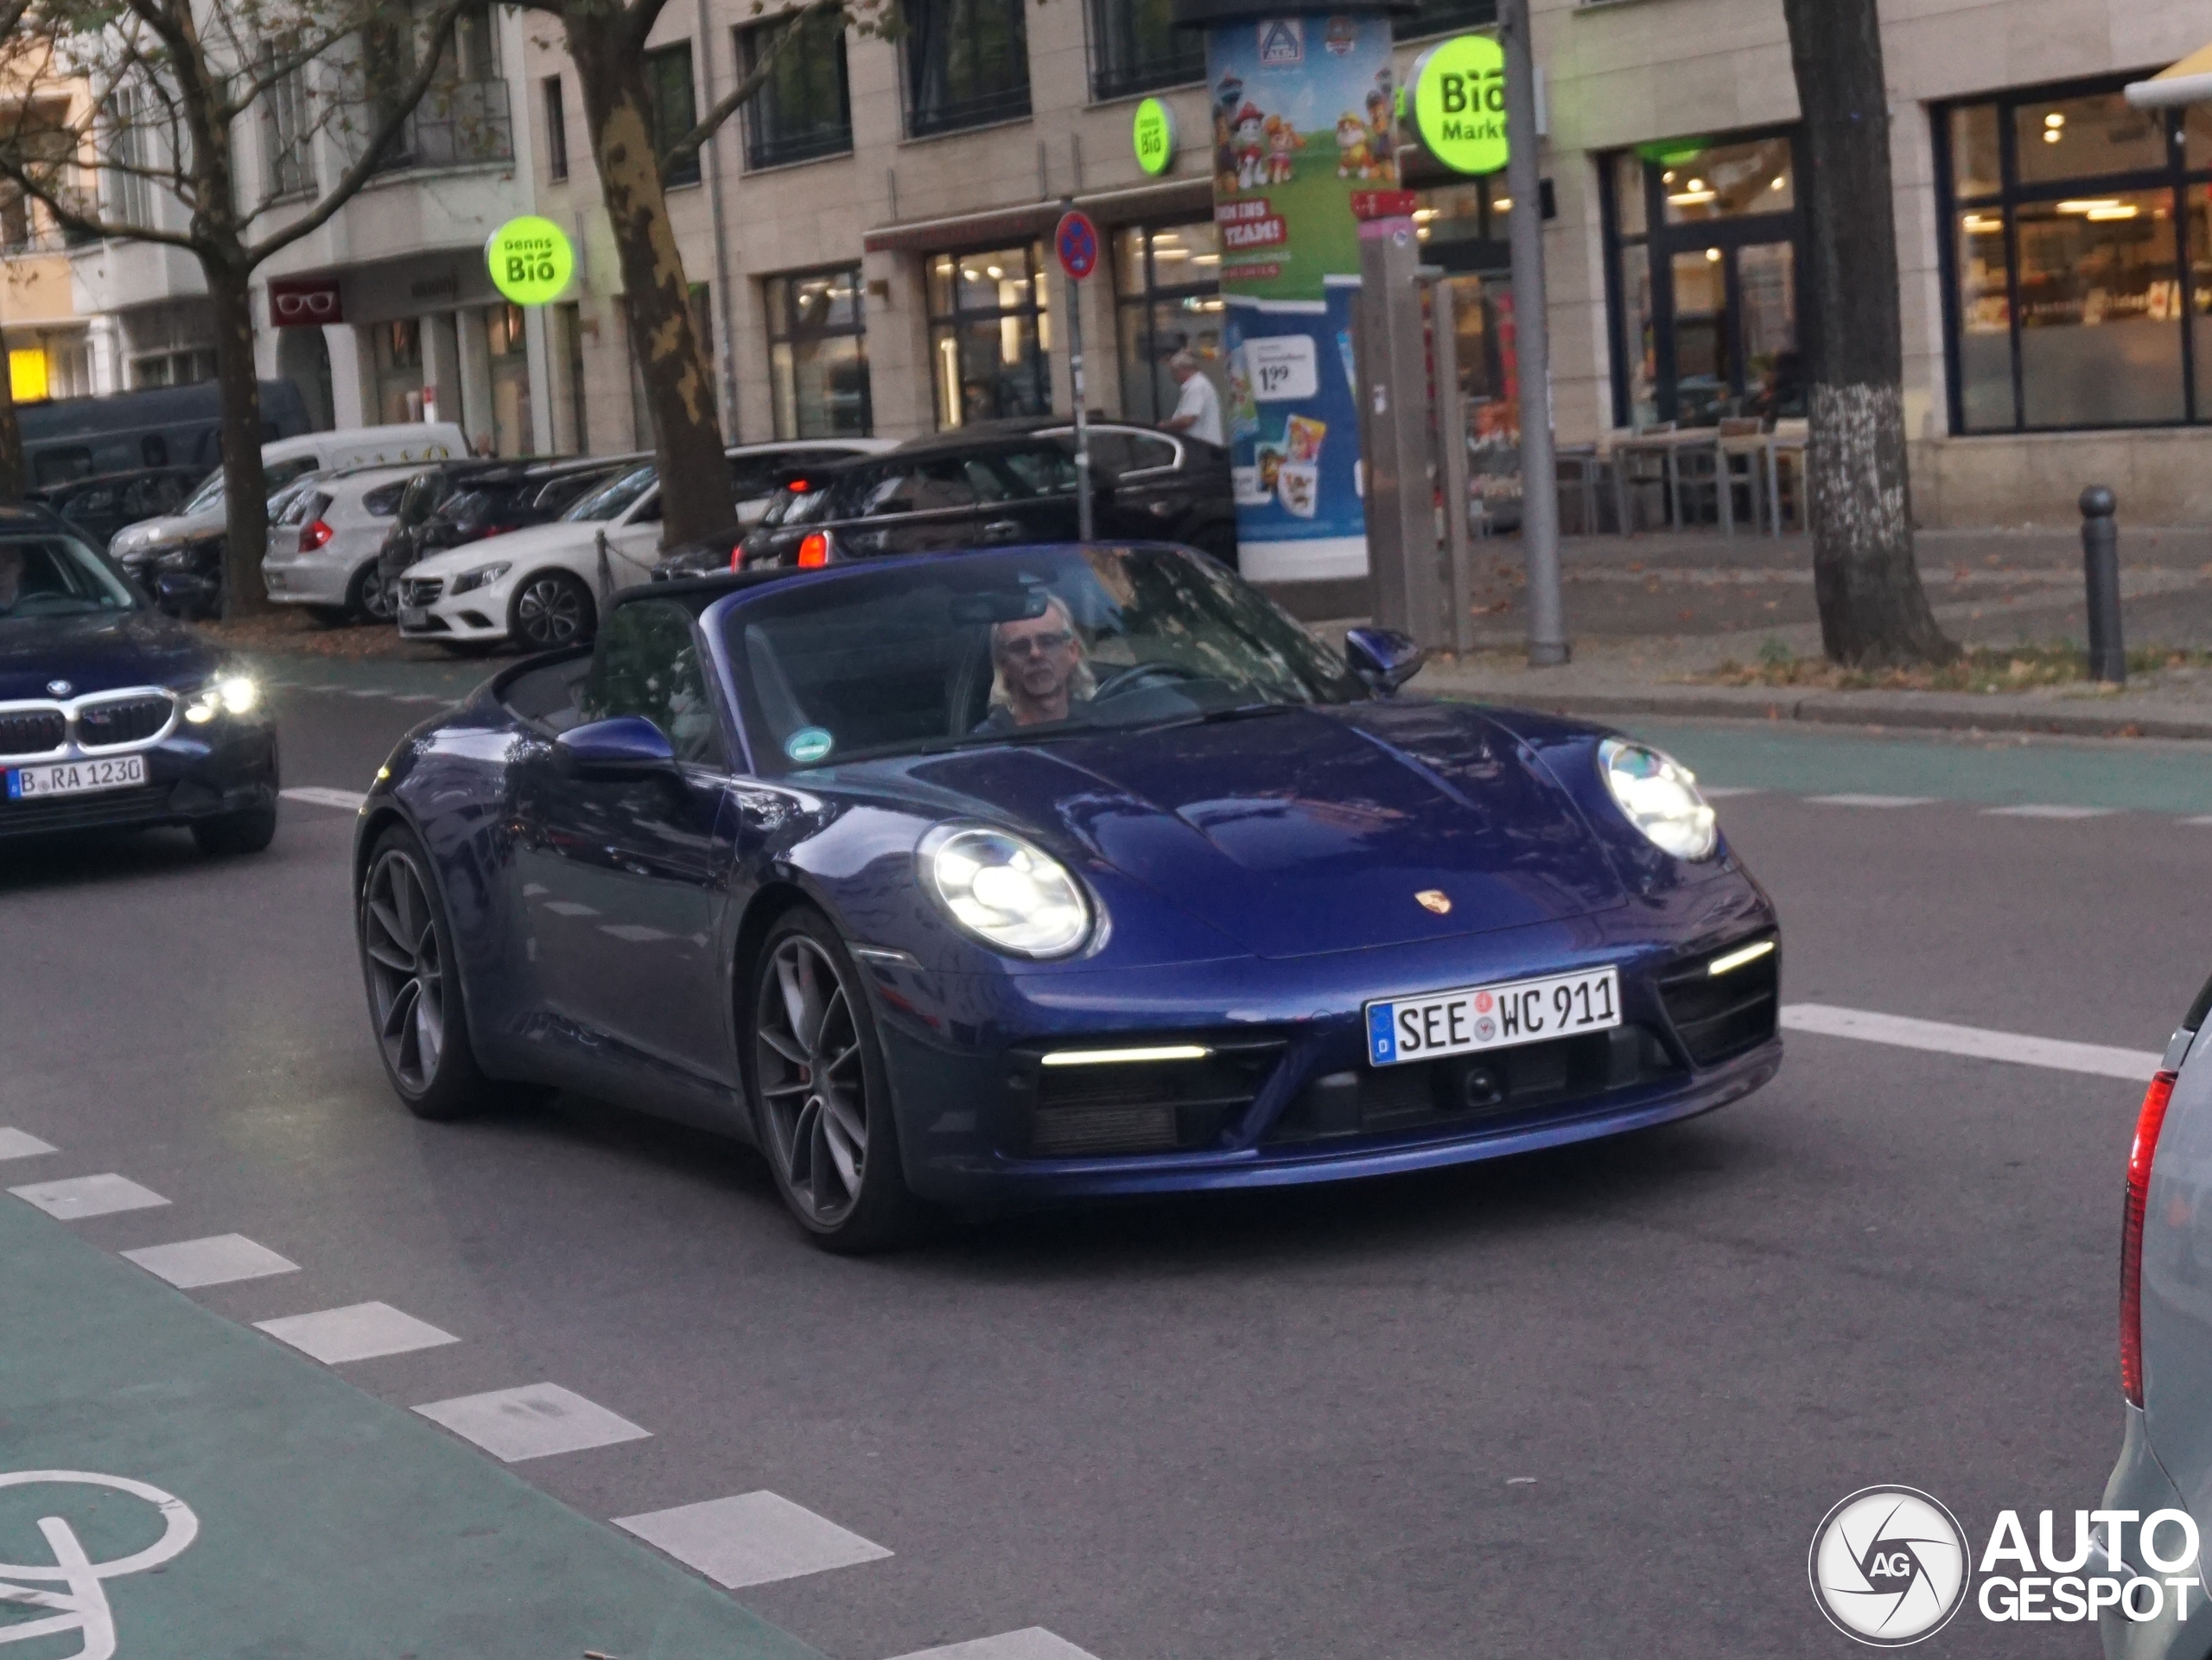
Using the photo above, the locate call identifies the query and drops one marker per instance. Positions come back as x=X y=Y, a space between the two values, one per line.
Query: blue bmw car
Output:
x=1048 y=872
x=112 y=716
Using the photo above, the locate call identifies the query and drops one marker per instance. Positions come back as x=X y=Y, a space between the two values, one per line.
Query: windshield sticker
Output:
x=807 y=745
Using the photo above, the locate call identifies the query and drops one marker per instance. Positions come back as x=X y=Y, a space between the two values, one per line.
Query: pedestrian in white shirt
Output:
x=1198 y=411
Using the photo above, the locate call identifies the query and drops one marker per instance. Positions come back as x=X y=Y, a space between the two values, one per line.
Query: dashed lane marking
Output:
x=2040 y=810
x=1871 y=800
x=1035 y=1644
x=314 y=795
x=219 y=1260
x=1977 y=1043
x=751 y=1539
x=365 y=1331
x=1714 y=792
x=83 y=1196
x=531 y=1422
x=22 y=1144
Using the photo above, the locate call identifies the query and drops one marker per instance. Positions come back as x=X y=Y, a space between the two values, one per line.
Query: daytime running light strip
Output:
x=1114 y=1057
x=1751 y=953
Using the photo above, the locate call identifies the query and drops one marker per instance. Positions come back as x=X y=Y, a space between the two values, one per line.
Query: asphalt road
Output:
x=1592 y=1402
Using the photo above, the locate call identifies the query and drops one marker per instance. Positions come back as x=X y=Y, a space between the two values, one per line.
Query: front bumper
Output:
x=479 y=614
x=1287 y=1095
x=228 y=768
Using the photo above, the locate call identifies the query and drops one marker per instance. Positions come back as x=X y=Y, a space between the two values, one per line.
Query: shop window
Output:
x=818 y=354
x=1135 y=48
x=1705 y=245
x=510 y=388
x=967 y=65
x=396 y=347
x=2078 y=272
x=670 y=91
x=1167 y=292
x=804 y=108
x=990 y=337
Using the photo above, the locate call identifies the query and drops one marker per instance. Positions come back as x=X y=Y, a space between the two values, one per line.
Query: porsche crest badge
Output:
x=1434 y=898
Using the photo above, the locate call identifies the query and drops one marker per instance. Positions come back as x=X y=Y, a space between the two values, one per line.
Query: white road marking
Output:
x=531 y=1422
x=752 y=1539
x=1871 y=800
x=2205 y=819
x=82 y=1196
x=22 y=1144
x=2044 y=811
x=1036 y=1644
x=1711 y=792
x=1977 y=1043
x=364 y=1330
x=219 y=1260
x=315 y=796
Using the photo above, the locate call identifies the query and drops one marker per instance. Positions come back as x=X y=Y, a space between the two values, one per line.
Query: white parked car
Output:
x=324 y=533
x=541 y=587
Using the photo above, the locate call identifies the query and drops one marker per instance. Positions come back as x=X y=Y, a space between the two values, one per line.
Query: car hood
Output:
x=99 y=652
x=1312 y=830
x=170 y=527
x=531 y=542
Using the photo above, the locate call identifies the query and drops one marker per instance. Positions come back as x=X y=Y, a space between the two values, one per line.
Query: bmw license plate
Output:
x=75 y=778
x=1400 y=1029
x=414 y=616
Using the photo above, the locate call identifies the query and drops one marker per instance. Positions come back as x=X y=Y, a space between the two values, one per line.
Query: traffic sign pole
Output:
x=1076 y=242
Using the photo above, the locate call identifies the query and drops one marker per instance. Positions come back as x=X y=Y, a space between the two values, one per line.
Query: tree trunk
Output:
x=245 y=494
x=13 y=480
x=1858 y=500
x=694 y=489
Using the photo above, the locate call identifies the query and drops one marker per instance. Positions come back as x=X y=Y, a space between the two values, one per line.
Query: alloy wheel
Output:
x=377 y=599
x=550 y=612
x=813 y=1086
x=406 y=972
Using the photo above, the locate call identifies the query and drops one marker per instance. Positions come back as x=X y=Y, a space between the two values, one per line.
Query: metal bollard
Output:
x=2101 y=573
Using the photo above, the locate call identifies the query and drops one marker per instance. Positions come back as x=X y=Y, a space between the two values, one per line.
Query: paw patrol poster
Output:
x=1303 y=116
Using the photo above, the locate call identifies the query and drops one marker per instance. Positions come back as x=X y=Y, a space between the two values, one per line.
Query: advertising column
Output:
x=1303 y=113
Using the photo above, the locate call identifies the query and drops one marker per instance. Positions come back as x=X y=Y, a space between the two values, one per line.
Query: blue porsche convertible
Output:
x=1044 y=872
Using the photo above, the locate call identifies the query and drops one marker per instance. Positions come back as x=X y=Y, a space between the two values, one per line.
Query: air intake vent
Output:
x=1141 y=1105
x=129 y=720
x=1717 y=1015
x=32 y=731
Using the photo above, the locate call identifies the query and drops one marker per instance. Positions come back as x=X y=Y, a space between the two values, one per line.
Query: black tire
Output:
x=549 y=609
x=237 y=833
x=407 y=957
x=370 y=595
x=834 y=1151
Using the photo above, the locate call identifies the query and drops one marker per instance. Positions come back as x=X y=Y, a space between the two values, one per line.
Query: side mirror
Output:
x=628 y=744
x=1384 y=657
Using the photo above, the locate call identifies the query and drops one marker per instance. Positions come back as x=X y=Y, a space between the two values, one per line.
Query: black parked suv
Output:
x=998 y=483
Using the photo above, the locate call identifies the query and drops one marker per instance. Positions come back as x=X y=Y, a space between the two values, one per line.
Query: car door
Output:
x=634 y=545
x=623 y=879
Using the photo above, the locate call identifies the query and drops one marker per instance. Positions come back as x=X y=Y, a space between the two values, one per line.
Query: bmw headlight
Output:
x=1659 y=796
x=483 y=576
x=234 y=694
x=1005 y=892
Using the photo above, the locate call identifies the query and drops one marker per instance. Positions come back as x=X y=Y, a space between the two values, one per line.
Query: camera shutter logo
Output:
x=1889 y=1566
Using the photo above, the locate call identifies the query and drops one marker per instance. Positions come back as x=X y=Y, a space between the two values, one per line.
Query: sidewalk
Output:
x=1650 y=614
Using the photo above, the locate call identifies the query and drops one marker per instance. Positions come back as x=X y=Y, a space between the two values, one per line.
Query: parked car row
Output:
x=398 y=524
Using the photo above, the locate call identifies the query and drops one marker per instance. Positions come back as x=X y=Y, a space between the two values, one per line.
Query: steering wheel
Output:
x=1140 y=675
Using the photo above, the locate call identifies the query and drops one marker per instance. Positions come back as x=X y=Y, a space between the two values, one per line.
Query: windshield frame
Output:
x=205 y=498
x=1298 y=654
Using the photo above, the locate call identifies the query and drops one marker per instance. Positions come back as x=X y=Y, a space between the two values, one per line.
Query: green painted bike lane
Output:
x=1806 y=760
x=329 y=1524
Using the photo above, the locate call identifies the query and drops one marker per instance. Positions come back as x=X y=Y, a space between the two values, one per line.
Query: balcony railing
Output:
x=458 y=123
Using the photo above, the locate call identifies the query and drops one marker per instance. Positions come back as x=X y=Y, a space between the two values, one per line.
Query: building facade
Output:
x=867 y=237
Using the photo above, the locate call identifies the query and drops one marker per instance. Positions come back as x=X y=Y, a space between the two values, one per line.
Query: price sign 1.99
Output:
x=1281 y=368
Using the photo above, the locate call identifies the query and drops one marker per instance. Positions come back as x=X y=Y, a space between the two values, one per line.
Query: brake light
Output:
x=2148 y=1122
x=313 y=536
x=737 y=558
x=798 y=487
x=814 y=552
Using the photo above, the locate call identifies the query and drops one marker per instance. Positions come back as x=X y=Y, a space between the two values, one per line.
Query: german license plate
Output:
x=414 y=616
x=75 y=776
x=1401 y=1029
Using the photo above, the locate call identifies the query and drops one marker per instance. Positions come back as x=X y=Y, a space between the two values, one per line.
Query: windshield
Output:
x=610 y=501
x=208 y=497
x=51 y=576
x=996 y=647
x=796 y=507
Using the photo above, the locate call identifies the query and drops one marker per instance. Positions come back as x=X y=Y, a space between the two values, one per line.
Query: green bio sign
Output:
x=1459 y=103
x=531 y=260
x=1153 y=135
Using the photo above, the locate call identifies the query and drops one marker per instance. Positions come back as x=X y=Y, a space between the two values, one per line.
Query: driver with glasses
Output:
x=1040 y=671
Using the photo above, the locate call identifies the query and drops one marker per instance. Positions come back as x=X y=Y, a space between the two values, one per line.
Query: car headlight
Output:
x=483 y=576
x=234 y=694
x=1005 y=892
x=1659 y=796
